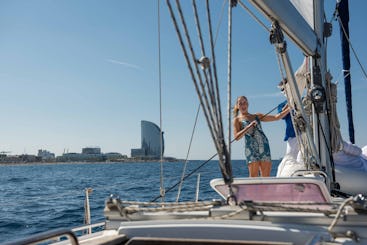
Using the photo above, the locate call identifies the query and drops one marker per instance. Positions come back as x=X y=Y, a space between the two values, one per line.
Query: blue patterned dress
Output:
x=256 y=143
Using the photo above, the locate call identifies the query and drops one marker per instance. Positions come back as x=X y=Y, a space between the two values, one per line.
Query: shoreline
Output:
x=108 y=162
x=92 y=162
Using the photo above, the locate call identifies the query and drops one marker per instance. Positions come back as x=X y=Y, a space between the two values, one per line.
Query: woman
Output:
x=257 y=148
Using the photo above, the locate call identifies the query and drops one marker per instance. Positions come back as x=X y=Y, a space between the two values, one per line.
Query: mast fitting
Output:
x=328 y=29
x=277 y=38
x=204 y=62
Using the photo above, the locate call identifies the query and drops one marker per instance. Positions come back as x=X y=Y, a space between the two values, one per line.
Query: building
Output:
x=114 y=156
x=80 y=157
x=91 y=150
x=89 y=154
x=152 y=142
x=137 y=152
x=46 y=155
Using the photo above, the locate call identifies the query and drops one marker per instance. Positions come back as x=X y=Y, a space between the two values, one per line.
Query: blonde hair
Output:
x=235 y=107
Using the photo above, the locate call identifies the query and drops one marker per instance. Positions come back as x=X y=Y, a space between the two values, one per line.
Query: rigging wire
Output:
x=220 y=21
x=224 y=152
x=343 y=18
x=205 y=101
x=253 y=16
x=216 y=91
x=336 y=17
x=268 y=30
x=216 y=36
x=327 y=146
x=185 y=164
x=283 y=76
x=203 y=53
x=216 y=132
x=208 y=80
x=162 y=191
x=351 y=46
x=282 y=72
x=187 y=156
x=188 y=175
x=204 y=163
x=281 y=69
x=197 y=113
x=303 y=147
x=213 y=110
x=225 y=164
x=229 y=82
x=261 y=23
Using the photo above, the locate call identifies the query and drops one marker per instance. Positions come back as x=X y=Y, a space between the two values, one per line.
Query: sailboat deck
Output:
x=282 y=190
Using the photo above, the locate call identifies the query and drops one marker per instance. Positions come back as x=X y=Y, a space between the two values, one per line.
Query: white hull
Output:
x=305 y=213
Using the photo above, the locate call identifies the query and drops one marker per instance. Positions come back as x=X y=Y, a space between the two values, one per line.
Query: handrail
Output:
x=85 y=227
x=48 y=235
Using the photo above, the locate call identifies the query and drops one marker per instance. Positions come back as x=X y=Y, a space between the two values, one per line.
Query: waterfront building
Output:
x=114 y=156
x=137 y=152
x=46 y=155
x=151 y=138
x=91 y=150
x=91 y=154
x=80 y=157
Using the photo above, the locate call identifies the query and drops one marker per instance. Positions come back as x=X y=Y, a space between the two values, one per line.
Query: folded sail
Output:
x=305 y=8
x=295 y=18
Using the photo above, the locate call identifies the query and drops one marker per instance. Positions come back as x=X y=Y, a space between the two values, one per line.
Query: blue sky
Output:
x=85 y=73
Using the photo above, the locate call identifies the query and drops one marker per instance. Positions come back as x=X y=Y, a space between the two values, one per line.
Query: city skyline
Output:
x=77 y=73
x=150 y=147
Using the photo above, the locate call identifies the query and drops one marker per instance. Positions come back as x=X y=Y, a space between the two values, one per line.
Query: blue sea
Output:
x=39 y=197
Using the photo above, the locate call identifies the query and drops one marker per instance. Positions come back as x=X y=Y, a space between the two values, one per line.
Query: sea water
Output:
x=39 y=197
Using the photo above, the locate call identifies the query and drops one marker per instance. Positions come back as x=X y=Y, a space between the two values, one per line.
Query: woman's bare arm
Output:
x=270 y=118
x=237 y=131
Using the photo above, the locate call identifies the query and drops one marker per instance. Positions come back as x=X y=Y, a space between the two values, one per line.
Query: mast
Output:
x=343 y=10
x=307 y=32
x=318 y=94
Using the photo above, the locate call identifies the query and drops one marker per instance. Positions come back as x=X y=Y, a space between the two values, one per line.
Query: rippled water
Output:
x=40 y=197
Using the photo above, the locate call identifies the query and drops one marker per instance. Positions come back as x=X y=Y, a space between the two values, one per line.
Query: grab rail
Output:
x=89 y=227
x=48 y=235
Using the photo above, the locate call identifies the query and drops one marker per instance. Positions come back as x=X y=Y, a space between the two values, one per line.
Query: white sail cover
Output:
x=305 y=8
x=296 y=19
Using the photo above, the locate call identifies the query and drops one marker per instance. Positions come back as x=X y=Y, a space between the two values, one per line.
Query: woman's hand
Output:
x=239 y=133
x=252 y=124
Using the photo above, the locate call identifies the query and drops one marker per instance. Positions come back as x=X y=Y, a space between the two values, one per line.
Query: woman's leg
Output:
x=253 y=169
x=265 y=168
